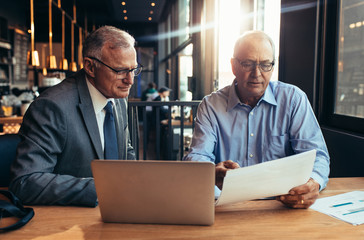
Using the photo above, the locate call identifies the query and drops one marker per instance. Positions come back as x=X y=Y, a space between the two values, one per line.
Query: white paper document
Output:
x=267 y=179
x=348 y=207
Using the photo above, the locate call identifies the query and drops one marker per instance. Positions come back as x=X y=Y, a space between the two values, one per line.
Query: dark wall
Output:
x=299 y=58
x=15 y=12
x=346 y=151
x=297 y=45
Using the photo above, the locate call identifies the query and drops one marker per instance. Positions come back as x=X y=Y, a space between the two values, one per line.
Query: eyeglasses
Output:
x=248 y=66
x=123 y=72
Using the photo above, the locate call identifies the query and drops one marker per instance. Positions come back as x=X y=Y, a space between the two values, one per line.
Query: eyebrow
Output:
x=263 y=61
x=122 y=69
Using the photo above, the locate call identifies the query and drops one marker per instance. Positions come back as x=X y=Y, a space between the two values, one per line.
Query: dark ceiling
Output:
x=137 y=10
x=100 y=12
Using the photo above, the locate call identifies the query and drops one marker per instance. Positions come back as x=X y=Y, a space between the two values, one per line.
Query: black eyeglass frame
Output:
x=123 y=71
x=254 y=65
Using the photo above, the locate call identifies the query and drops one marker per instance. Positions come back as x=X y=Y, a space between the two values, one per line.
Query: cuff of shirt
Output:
x=217 y=192
x=320 y=180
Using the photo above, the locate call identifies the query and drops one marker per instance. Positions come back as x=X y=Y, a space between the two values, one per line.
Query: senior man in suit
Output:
x=63 y=130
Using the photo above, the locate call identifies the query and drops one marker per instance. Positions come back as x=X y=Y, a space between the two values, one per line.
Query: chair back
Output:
x=169 y=134
x=8 y=145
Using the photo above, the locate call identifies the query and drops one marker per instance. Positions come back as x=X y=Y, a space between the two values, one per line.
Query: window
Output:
x=343 y=66
x=185 y=63
x=239 y=16
x=175 y=57
x=349 y=95
x=183 y=21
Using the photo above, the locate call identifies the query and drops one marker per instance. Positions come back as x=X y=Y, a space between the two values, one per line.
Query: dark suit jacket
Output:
x=59 y=139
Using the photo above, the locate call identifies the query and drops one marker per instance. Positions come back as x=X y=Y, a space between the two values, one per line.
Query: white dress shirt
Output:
x=99 y=102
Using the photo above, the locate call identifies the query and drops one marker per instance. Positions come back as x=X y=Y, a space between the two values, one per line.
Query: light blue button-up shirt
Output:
x=281 y=124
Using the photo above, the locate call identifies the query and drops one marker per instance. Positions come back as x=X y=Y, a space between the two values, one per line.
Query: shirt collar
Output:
x=233 y=99
x=268 y=96
x=98 y=100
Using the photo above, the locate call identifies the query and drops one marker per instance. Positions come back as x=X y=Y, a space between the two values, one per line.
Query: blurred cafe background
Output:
x=186 y=46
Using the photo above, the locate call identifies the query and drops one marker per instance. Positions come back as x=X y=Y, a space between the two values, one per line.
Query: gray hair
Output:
x=106 y=34
x=256 y=34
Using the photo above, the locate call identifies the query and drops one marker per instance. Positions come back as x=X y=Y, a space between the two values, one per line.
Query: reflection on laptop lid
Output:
x=160 y=192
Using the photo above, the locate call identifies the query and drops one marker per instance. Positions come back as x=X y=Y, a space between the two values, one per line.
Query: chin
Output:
x=122 y=95
x=256 y=90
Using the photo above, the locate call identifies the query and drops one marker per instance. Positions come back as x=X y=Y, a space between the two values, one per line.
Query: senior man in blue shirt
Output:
x=255 y=120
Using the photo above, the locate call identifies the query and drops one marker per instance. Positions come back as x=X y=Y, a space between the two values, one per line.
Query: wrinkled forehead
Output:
x=112 y=51
x=110 y=47
x=254 y=47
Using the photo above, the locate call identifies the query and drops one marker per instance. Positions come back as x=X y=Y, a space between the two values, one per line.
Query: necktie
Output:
x=110 y=140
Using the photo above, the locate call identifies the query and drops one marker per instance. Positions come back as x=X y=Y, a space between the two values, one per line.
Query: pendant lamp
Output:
x=33 y=57
x=63 y=63
x=52 y=63
x=80 y=62
x=73 y=63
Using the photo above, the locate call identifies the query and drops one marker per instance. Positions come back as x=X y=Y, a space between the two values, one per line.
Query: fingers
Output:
x=220 y=172
x=221 y=169
x=302 y=196
x=229 y=164
x=297 y=201
x=310 y=186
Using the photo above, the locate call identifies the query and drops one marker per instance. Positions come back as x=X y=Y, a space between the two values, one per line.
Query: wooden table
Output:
x=261 y=219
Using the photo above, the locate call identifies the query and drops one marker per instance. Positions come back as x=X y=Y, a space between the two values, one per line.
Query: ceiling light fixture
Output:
x=52 y=62
x=123 y=3
x=80 y=46
x=152 y=4
x=150 y=18
x=124 y=11
x=125 y=18
x=64 y=63
x=151 y=12
x=32 y=55
x=74 y=20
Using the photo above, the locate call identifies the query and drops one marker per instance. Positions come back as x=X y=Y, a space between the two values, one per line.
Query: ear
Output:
x=89 y=67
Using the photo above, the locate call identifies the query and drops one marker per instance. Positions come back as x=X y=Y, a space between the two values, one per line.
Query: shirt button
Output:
x=251 y=155
x=252 y=134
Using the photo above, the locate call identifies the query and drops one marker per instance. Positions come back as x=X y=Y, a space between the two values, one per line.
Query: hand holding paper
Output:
x=267 y=179
x=302 y=196
x=221 y=169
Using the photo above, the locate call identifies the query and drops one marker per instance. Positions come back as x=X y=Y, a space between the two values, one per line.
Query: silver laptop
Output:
x=158 y=192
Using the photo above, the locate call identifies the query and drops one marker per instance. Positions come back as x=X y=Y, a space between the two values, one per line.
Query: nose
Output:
x=256 y=72
x=129 y=78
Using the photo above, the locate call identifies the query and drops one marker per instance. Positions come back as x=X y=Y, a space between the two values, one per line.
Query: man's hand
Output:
x=302 y=196
x=221 y=169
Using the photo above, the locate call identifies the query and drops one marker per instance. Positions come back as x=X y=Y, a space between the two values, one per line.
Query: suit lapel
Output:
x=88 y=114
x=119 y=108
